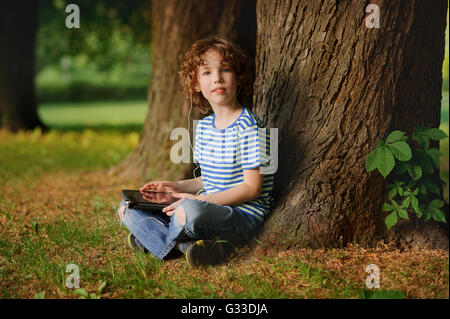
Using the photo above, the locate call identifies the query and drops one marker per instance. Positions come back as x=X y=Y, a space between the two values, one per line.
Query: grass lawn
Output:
x=123 y=116
x=57 y=207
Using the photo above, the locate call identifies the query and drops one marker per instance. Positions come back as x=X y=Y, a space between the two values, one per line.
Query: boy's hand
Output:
x=159 y=186
x=169 y=210
x=157 y=197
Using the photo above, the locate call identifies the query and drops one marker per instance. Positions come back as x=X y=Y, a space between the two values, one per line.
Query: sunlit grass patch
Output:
x=30 y=154
x=93 y=114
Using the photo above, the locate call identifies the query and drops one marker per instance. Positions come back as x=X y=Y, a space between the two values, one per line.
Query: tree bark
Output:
x=176 y=25
x=334 y=87
x=18 y=107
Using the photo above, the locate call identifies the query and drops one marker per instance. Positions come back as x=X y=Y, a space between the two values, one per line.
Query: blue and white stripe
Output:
x=224 y=154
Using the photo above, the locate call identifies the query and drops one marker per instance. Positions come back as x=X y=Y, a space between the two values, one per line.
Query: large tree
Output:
x=333 y=87
x=17 y=96
x=175 y=26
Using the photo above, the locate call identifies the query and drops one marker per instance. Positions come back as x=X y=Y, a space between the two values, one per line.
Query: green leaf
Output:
x=400 y=167
x=423 y=141
x=434 y=134
x=386 y=160
x=423 y=189
x=406 y=202
x=394 y=203
x=402 y=213
x=434 y=154
x=400 y=191
x=82 y=292
x=392 y=193
x=424 y=160
x=100 y=288
x=415 y=204
x=437 y=203
x=391 y=220
x=437 y=215
x=427 y=215
x=401 y=151
x=371 y=160
x=398 y=187
x=415 y=171
x=432 y=186
x=394 y=136
x=387 y=207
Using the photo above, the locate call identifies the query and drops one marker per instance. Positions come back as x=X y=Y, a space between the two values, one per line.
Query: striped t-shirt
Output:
x=224 y=154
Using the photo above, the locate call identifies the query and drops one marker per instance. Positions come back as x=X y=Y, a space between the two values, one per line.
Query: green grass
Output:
x=118 y=116
x=27 y=155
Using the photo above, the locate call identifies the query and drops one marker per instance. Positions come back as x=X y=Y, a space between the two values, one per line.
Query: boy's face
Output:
x=217 y=82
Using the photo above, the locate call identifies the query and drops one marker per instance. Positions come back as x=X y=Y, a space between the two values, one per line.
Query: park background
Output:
x=57 y=201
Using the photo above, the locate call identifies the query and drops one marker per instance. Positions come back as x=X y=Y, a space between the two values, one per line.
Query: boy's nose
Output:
x=218 y=78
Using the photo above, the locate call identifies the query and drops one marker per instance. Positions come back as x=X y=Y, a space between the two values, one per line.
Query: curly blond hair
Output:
x=232 y=56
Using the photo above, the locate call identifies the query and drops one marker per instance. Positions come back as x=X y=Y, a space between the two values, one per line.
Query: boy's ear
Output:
x=238 y=80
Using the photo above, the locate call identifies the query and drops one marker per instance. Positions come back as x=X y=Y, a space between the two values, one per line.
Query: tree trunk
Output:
x=18 y=26
x=333 y=87
x=176 y=25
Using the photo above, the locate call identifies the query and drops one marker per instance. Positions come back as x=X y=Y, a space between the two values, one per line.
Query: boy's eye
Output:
x=206 y=73
x=226 y=70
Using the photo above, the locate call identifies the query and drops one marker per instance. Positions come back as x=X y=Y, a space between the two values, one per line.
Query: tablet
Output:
x=152 y=200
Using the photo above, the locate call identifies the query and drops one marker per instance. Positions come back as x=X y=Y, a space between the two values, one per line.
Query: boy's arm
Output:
x=191 y=186
x=247 y=191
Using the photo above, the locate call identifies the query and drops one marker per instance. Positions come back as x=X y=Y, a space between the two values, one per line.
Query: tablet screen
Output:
x=150 y=197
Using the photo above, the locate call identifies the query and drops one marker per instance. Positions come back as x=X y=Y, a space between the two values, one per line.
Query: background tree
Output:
x=333 y=87
x=107 y=58
x=175 y=26
x=103 y=23
x=17 y=95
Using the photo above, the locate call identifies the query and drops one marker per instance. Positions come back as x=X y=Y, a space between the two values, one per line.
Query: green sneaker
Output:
x=135 y=244
x=207 y=252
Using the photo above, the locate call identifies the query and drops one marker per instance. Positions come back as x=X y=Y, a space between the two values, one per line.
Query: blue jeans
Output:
x=204 y=220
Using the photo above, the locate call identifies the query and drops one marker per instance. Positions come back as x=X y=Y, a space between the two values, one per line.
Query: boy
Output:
x=236 y=197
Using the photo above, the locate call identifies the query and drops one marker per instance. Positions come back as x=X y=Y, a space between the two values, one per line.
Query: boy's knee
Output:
x=180 y=215
x=121 y=209
x=194 y=211
x=120 y=212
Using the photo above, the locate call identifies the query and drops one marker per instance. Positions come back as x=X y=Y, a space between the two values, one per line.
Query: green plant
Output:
x=86 y=295
x=412 y=173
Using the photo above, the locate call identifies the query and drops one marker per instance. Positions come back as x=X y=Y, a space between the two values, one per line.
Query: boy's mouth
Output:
x=219 y=90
